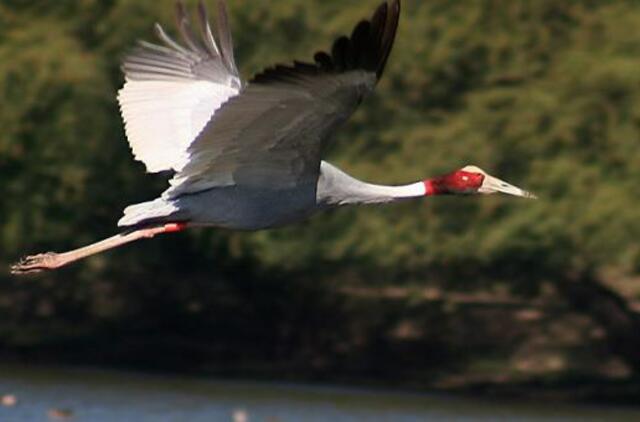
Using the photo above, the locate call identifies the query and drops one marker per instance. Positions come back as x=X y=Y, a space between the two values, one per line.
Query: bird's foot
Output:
x=37 y=263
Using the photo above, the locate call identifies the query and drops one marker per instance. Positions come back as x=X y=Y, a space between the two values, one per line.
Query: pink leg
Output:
x=52 y=260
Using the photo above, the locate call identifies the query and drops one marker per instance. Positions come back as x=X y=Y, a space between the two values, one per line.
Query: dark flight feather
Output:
x=367 y=49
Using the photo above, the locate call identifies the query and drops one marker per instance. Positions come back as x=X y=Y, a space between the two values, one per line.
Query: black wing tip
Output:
x=368 y=48
x=371 y=41
x=390 y=31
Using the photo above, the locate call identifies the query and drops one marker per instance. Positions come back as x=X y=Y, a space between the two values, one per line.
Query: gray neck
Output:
x=336 y=188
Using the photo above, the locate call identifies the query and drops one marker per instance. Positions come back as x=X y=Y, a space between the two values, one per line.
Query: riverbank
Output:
x=423 y=339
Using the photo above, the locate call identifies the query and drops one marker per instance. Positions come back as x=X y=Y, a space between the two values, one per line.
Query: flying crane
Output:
x=248 y=155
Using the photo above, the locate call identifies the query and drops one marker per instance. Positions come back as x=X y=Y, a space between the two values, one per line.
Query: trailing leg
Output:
x=52 y=260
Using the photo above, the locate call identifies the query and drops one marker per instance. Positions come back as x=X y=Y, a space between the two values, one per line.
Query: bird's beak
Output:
x=493 y=184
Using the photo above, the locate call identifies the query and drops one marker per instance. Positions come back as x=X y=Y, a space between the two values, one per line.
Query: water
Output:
x=107 y=396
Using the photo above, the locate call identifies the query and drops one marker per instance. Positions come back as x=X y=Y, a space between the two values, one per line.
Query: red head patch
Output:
x=458 y=182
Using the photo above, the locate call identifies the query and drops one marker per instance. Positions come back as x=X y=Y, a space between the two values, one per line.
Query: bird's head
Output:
x=472 y=180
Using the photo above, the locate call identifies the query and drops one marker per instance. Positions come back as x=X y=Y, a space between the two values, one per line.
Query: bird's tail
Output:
x=156 y=211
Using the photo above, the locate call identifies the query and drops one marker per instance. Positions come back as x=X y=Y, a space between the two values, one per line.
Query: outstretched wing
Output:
x=273 y=133
x=172 y=91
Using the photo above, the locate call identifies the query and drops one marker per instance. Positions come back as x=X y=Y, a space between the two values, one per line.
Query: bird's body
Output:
x=230 y=207
x=248 y=208
x=247 y=155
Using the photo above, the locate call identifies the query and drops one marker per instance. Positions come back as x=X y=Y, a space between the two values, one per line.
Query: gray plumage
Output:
x=246 y=207
x=256 y=163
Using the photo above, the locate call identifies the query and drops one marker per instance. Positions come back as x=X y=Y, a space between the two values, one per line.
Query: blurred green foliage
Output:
x=542 y=93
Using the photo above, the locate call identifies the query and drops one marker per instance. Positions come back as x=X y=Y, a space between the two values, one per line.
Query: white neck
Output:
x=370 y=193
x=338 y=188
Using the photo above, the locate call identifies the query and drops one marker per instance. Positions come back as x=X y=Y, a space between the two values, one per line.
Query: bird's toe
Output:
x=35 y=263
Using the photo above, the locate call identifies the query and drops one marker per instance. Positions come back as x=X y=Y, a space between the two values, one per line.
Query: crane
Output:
x=248 y=155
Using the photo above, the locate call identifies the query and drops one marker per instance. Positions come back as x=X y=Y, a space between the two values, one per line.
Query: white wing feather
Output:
x=162 y=118
x=172 y=91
